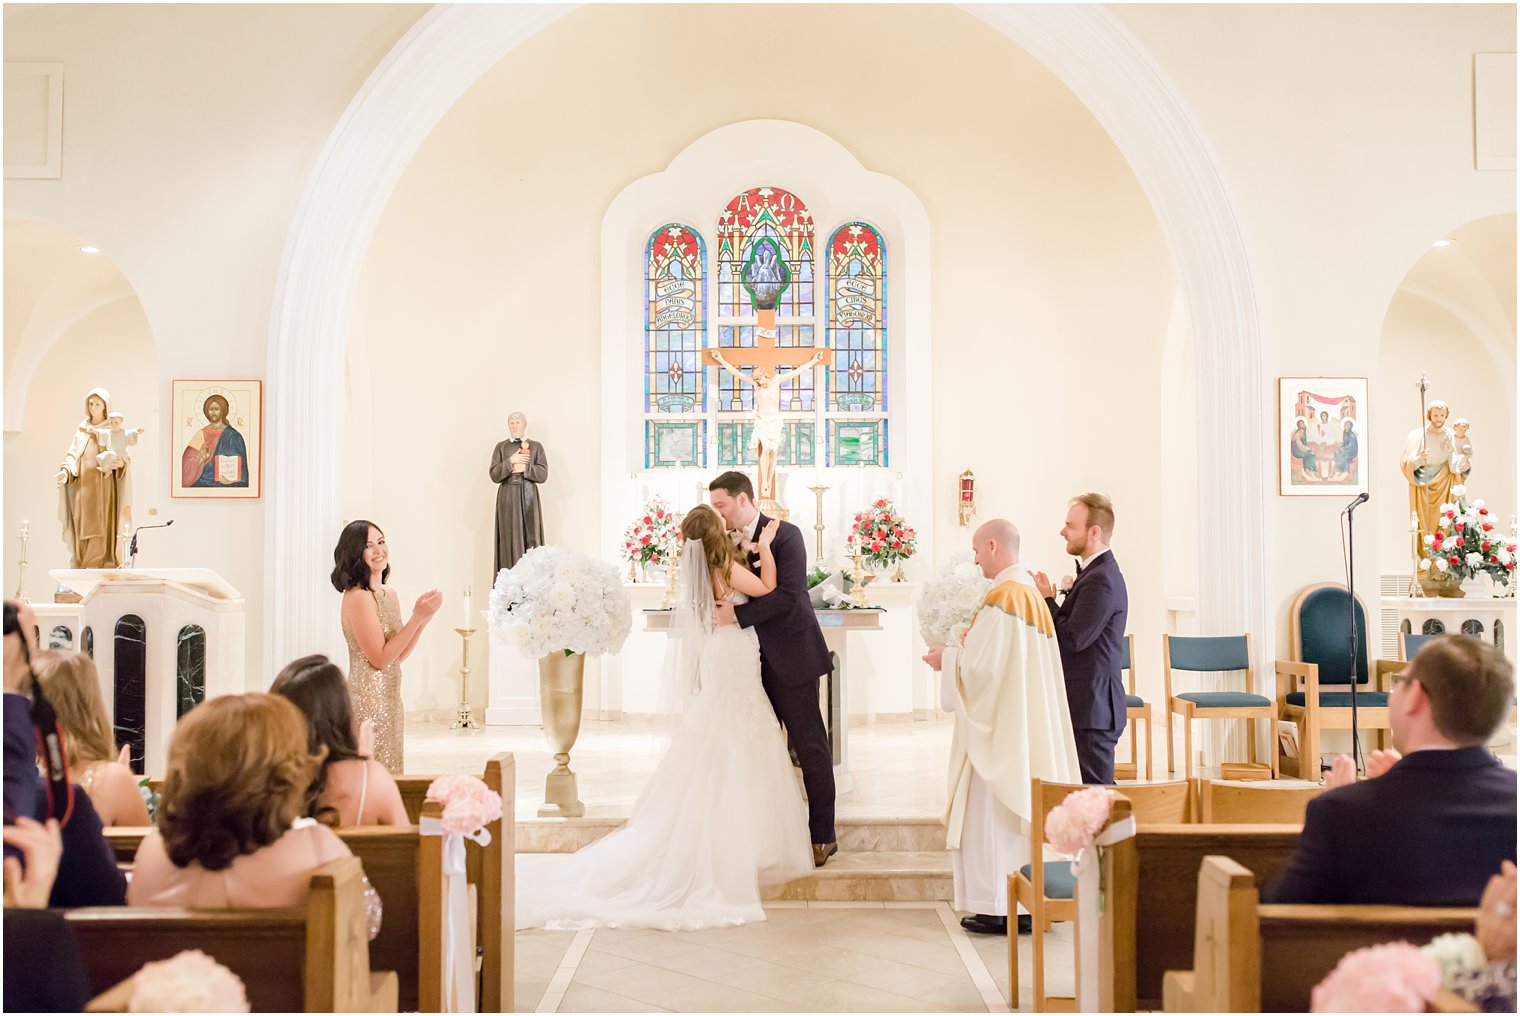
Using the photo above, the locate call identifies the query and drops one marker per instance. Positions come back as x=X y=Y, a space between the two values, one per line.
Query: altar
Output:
x=1488 y=618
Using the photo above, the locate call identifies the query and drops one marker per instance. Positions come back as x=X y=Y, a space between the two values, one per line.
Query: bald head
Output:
x=996 y=545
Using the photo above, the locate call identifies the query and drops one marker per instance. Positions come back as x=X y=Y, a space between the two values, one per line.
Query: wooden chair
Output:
x=1314 y=688
x=1045 y=890
x=1249 y=957
x=1203 y=655
x=1254 y=802
x=313 y=958
x=1137 y=712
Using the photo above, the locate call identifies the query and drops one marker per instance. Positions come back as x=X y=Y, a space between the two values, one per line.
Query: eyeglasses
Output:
x=1403 y=678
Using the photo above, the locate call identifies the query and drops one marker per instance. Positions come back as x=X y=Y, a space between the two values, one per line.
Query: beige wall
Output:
x=189 y=133
x=1345 y=134
x=1051 y=285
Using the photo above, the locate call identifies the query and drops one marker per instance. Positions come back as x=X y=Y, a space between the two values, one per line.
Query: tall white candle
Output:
x=469 y=618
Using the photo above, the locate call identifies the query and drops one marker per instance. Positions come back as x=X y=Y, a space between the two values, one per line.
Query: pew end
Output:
x=326 y=941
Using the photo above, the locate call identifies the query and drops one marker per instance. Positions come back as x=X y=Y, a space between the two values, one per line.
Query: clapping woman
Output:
x=377 y=639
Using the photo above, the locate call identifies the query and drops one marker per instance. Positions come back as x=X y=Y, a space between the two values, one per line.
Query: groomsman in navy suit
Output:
x=1090 y=633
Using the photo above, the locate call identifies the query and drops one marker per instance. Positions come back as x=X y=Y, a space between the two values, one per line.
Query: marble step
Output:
x=886 y=875
x=856 y=835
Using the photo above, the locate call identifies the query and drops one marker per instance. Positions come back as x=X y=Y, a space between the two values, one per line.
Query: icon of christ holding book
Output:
x=215 y=455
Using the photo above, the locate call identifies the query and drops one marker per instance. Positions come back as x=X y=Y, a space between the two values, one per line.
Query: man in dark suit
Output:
x=1429 y=827
x=1090 y=632
x=793 y=655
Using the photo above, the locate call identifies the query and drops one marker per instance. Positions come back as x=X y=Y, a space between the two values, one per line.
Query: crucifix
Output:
x=765 y=277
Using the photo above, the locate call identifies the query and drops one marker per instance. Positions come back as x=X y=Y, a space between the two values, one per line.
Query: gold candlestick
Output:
x=818 y=522
x=858 y=596
x=669 y=602
x=466 y=717
x=21 y=596
x=1418 y=552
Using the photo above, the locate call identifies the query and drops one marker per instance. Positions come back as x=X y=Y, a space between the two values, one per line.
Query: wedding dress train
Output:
x=721 y=815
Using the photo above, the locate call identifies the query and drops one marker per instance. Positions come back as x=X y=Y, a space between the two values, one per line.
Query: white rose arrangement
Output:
x=950 y=600
x=557 y=600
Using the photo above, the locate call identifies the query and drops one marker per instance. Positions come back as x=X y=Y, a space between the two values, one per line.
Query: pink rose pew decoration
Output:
x=1396 y=977
x=1074 y=823
x=188 y=982
x=468 y=807
x=1079 y=828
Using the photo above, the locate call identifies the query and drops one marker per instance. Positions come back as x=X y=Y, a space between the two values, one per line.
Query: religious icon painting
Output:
x=1322 y=435
x=218 y=439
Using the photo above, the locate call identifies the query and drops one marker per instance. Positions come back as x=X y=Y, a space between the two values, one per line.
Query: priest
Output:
x=1012 y=724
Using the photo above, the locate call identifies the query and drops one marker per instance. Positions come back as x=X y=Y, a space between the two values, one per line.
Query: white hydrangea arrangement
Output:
x=950 y=600
x=558 y=600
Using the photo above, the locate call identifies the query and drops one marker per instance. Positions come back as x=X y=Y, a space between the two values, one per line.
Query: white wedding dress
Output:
x=721 y=815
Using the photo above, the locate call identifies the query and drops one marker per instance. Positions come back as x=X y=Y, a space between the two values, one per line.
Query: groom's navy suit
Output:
x=793 y=656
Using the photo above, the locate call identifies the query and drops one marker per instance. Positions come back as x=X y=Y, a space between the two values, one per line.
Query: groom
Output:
x=793 y=655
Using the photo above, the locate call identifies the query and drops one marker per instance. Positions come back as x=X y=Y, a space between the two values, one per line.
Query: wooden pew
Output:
x=1250 y=957
x=1253 y=802
x=406 y=870
x=1152 y=899
x=303 y=959
x=413 y=792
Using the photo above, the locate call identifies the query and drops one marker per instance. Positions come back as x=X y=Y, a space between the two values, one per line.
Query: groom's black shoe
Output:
x=822 y=852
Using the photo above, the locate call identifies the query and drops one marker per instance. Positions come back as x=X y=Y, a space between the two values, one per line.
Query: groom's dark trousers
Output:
x=793 y=657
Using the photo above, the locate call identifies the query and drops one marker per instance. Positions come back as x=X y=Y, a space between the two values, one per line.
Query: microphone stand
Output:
x=132 y=550
x=1349 y=512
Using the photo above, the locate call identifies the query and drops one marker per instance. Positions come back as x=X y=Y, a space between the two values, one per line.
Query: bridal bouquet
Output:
x=949 y=601
x=1468 y=542
x=881 y=536
x=190 y=981
x=651 y=538
x=555 y=599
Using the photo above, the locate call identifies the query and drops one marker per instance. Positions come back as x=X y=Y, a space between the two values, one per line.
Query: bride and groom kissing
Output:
x=721 y=815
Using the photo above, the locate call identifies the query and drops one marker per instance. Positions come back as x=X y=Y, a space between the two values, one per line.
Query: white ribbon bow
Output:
x=1087 y=869
x=458 y=936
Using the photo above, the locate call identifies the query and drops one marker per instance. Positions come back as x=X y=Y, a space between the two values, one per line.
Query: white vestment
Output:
x=1012 y=724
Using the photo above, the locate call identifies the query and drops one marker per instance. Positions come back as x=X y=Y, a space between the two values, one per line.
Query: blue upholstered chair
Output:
x=1411 y=643
x=1137 y=712
x=1227 y=654
x=1314 y=688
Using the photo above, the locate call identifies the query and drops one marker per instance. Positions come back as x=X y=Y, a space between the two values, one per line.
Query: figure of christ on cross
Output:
x=763 y=360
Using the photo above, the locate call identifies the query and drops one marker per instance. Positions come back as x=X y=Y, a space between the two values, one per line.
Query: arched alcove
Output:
x=452 y=46
x=72 y=322
x=1452 y=317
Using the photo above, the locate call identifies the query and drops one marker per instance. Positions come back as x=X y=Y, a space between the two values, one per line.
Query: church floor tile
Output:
x=818 y=957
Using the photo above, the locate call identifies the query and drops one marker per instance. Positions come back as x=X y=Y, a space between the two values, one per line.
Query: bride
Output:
x=722 y=812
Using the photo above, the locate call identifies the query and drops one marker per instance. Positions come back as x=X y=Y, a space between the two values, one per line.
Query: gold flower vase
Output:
x=1446 y=584
x=561 y=687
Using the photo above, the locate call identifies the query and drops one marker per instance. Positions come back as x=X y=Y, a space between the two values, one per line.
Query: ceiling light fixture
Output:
x=1444 y=242
x=87 y=249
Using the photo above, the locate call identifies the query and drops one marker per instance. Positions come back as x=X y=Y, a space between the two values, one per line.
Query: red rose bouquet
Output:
x=881 y=536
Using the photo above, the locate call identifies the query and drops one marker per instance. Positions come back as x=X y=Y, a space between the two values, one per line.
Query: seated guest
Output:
x=43 y=972
x=230 y=832
x=73 y=687
x=350 y=788
x=1492 y=987
x=87 y=871
x=1433 y=825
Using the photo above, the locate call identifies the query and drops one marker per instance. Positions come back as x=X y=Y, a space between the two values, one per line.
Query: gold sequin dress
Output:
x=376 y=694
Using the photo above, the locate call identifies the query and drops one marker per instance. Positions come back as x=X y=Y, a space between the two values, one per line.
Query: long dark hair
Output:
x=317 y=687
x=349 y=570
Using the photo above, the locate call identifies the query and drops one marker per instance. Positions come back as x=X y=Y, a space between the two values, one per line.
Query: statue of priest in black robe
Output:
x=518 y=466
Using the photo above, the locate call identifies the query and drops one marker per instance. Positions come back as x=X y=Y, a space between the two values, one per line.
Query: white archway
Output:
x=453 y=45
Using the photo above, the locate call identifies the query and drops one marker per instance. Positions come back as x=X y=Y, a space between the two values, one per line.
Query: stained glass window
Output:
x=675 y=330
x=856 y=381
x=764 y=260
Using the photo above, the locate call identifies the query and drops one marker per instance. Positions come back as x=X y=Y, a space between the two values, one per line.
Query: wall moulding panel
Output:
x=33 y=121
